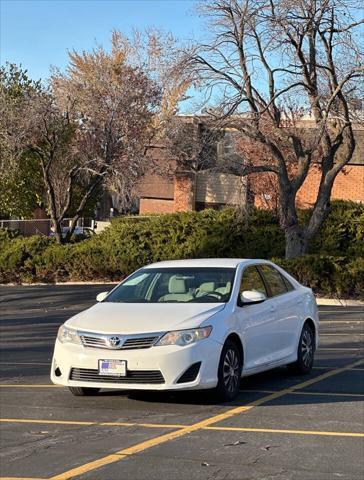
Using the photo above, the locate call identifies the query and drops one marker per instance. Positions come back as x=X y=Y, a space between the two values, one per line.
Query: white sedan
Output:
x=189 y=324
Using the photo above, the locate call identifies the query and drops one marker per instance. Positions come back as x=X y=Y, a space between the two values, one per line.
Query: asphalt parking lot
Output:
x=281 y=426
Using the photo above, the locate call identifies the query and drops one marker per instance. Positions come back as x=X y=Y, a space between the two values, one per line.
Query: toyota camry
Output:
x=189 y=324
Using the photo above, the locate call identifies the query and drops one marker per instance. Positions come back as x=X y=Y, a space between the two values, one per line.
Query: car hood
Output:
x=134 y=318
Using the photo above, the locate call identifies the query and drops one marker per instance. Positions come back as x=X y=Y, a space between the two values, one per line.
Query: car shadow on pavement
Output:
x=350 y=388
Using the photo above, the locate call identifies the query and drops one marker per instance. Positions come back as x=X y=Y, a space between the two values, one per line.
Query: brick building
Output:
x=349 y=184
x=187 y=191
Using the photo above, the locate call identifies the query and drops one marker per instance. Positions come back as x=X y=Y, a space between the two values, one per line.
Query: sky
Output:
x=38 y=33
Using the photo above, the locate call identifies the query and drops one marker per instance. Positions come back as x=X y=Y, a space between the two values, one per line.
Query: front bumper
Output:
x=172 y=361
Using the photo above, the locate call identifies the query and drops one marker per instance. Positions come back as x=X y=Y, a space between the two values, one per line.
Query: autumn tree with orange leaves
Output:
x=94 y=125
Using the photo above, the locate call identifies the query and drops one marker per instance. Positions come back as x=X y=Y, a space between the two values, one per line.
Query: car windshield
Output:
x=175 y=285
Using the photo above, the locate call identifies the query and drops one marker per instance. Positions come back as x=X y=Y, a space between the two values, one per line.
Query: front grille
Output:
x=143 y=342
x=133 y=376
x=190 y=374
x=96 y=340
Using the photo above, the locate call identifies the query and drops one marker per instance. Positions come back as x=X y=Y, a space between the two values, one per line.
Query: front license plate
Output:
x=116 y=368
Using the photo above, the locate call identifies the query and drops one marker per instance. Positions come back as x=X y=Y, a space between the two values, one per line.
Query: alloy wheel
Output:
x=231 y=370
x=307 y=348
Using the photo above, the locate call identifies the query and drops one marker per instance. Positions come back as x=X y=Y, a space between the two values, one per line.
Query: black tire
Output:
x=305 y=352
x=83 y=391
x=229 y=372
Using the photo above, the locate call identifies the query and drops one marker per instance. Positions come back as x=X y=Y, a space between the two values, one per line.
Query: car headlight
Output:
x=185 y=337
x=68 y=335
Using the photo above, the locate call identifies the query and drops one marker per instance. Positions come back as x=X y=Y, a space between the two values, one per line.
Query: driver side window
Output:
x=251 y=280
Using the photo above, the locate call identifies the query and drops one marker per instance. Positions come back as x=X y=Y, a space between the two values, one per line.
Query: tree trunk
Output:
x=57 y=230
x=91 y=189
x=295 y=235
x=296 y=242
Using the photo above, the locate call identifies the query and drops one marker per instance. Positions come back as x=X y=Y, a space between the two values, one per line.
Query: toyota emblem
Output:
x=114 y=341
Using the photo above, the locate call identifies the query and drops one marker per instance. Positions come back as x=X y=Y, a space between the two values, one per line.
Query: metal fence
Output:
x=41 y=226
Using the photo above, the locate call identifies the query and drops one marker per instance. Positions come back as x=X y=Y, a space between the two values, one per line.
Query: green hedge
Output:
x=334 y=265
x=343 y=231
x=328 y=276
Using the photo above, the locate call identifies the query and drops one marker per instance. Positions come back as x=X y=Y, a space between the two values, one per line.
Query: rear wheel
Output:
x=305 y=352
x=83 y=391
x=229 y=372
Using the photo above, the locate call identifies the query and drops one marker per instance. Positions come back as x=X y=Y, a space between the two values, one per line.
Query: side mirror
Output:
x=101 y=296
x=249 y=297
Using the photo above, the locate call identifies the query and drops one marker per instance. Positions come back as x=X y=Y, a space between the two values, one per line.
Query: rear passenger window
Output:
x=289 y=285
x=274 y=280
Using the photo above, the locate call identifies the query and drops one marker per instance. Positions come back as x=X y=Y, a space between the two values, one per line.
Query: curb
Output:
x=334 y=302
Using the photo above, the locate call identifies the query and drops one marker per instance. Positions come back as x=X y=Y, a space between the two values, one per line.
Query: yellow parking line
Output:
x=87 y=467
x=101 y=462
x=147 y=444
x=305 y=384
x=56 y=422
x=161 y=425
x=146 y=425
x=21 y=478
x=82 y=423
x=291 y=432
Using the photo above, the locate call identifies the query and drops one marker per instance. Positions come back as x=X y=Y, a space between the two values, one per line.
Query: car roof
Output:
x=205 y=262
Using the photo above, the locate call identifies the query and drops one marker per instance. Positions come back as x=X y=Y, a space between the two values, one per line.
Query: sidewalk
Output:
x=339 y=302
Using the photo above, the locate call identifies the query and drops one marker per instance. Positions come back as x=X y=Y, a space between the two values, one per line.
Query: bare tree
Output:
x=37 y=127
x=190 y=143
x=98 y=130
x=270 y=66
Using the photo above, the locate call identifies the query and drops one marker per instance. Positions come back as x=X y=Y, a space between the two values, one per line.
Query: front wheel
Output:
x=229 y=372
x=305 y=352
x=83 y=391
